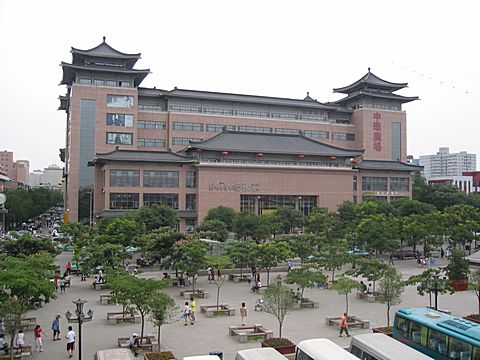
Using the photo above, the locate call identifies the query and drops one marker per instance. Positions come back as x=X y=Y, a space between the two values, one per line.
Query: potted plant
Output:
x=457 y=271
x=282 y=345
x=164 y=355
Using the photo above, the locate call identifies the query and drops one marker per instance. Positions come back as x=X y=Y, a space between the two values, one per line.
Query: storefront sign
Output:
x=221 y=186
x=377 y=132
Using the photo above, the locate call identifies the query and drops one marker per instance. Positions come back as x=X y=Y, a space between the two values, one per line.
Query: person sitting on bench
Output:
x=134 y=343
x=256 y=286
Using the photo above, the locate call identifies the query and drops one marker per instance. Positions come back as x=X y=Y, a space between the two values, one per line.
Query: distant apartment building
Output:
x=51 y=177
x=17 y=171
x=445 y=165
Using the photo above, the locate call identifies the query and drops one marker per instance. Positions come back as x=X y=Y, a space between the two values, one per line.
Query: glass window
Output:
x=123 y=201
x=191 y=179
x=255 y=129
x=119 y=138
x=184 y=126
x=152 y=125
x=190 y=202
x=151 y=142
x=247 y=202
x=183 y=141
x=121 y=101
x=190 y=225
x=110 y=83
x=153 y=178
x=399 y=184
x=437 y=342
x=356 y=351
x=219 y=127
x=248 y=113
x=126 y=84
x=119 y=120
x=458 y=349
x=286 y=131
x=415 y=332
x=316 y=134
x=402 y=326
x=162 y=199
x=355 y=183
x=343 y=136
x=99 y=82
x=85 y=81
x=374 y=183
x=124 y=178
x=284 y=116
x=186 y=108
x=218 y=111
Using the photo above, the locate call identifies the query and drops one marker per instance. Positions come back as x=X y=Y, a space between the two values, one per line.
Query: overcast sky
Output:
x=273 y=48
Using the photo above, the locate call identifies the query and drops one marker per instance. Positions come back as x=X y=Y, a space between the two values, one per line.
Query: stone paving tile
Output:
x=211 y=334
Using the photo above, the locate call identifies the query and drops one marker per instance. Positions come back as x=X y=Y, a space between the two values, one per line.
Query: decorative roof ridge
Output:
x=103 y=68
x=118 y=150
x=104 y=44
x=389 y=161
x=365 y=79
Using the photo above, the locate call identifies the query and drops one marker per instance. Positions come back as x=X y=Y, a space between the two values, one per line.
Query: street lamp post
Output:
x=90 y=207
x=436 y=284
x=80 y=319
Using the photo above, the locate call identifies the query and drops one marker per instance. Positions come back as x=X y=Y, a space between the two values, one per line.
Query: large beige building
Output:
x=194 y=150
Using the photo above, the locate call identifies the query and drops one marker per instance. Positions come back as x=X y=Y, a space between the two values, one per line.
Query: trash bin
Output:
x=218 y=353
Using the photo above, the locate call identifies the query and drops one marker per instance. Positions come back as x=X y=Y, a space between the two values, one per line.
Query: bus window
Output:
x=415 y=332
x=437 y=342
x=402 y=326
x=458 y=350
x=356 y=351
x=476 y=353
x=301 y=355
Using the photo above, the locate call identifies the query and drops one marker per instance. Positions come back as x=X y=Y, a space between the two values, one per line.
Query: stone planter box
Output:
x=352 y=321
x=473 y=317
x=307 y=303
x=459 y=284
x=114 y=318
x=387 y=330
x=283 y=349
x=254 y=333
x=105 y=299
x=220 y=310
x=153 y=355
x=148 y=342
x=199 y=293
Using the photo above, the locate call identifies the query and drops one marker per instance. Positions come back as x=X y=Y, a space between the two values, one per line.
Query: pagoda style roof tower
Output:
x=372 y=86
x=102 y=59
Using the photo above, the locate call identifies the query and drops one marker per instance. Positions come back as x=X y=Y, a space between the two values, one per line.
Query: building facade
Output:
x=142 y=142
x=51 y=177
x=16 y=171
x=445 y=165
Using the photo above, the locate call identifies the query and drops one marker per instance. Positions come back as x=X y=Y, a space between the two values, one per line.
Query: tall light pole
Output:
x=80 y=319
x=436 y=284
x=90 y=207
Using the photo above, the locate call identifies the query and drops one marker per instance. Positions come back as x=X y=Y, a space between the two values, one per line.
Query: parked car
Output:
x=403 y=254
x=358 y=252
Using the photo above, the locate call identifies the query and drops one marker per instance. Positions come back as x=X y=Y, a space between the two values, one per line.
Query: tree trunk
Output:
x=193 y=285
x=388 y=313
x=218 y=295
x=303 y=289
x=333 y=275
x=346 y=301
x=12 y=337
x=158 y=337
x=143 y=325
x=268 y=276
x=280 y=323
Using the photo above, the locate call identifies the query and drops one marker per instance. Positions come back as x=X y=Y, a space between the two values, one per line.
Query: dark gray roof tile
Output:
x=387 y=165
x=141 y=156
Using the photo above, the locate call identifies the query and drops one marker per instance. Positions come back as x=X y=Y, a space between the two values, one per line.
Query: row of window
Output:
x=101 y=82
x=436 y=341
x=125 y=201
x=266 y=204
x=151 y=178
x=370 y=183
x=150 y=142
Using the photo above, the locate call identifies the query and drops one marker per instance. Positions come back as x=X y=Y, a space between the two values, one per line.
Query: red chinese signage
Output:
x=377 y=132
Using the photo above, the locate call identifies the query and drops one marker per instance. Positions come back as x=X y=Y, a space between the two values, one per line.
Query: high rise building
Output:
x=16 y=171
x=51 y=177
x=194 y=150
x=444 y=164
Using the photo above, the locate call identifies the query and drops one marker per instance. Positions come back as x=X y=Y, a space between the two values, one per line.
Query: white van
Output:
x=114 y=354
x=321 y=349
x=266 y=353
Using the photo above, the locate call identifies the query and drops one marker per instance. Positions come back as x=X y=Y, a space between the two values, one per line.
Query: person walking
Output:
x=344 y=325
x=38 y=338
x=56 y=328
x=243 y=313
x=209 y=273
x=193 y=309
x=61 y=282
x=186 y=313
x=20 y=340
x=68 y=267
x=70 y=341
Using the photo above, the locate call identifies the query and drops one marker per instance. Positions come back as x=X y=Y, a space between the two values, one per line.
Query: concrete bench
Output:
x=199 y=293
x=24 y=351
x=352 y=321
x=238 y=278
x=101 y=285
x=245 y=333
x=148 y=342
x=114 y=318
x=306 y=302
x=213 y=310
x=28 y=323
x=105 y=299
x=4 y=356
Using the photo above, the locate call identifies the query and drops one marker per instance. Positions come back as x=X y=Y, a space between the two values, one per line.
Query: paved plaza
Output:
x=211 y=334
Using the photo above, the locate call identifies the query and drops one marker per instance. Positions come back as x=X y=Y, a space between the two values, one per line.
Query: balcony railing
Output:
x=276 y=163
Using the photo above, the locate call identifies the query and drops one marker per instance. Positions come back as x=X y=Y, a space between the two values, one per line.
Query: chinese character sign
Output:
x=377 y=132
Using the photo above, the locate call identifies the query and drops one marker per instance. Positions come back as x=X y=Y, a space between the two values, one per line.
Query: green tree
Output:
x=217 y=228
x=372 y=269
x=332 y=257
x=300 y=244
x=278 y=301
x=305 y=276
x=271 y=254
x=390 y=290
x=325 y=224
x=163 y=310
x=119 y=230
x=105 y=254
x=157 y=216
x=77 y=230
x=463 y=222
x=136 y=294
x=218 y=262
x=246 y=224
x=379 y=232
x=425 y=279
x=474 y=284
x=345 y=286
x=158 y=244
x=190 y=255
x=242 y=253
x=458 y=266
x=288 y=219
x=223 y=214
x=407 y=207
x=25 y=244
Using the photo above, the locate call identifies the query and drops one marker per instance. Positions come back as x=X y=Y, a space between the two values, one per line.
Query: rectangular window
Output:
x=255 y=129
x=98 y=82
x=316 y=134
x=183 y=141
x=151 y=142
x=125 y=84
x=355 y=180
x=374 y=183
x=186 y=108
x=119 y=138
x=437 y=342
x=284 y=116
x=151 y=125
x=343 y=136
x=247 y=202
x=119 y=120
x=154 y=178
x=286 y=131
x=399 y=184
x=218 y=111
x=185 y=126
x=247 y=113
x=121 y=101
x=124 y=178
x=415 y=333
x=396 y=141
x=123 y=201
x=151 y=108
x=191 y=179
x=110 y=83
x=402 y=326
x=85 y=81
x=161 y=199
x=190 y=225
x=219 y=127
x=190 y=202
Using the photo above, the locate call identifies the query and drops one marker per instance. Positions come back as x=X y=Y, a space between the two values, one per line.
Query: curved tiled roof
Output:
x=370 y=79
x=400 y=98
x=104 y=50
x=141 y=156
x=387 y=165
x=237 y=141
